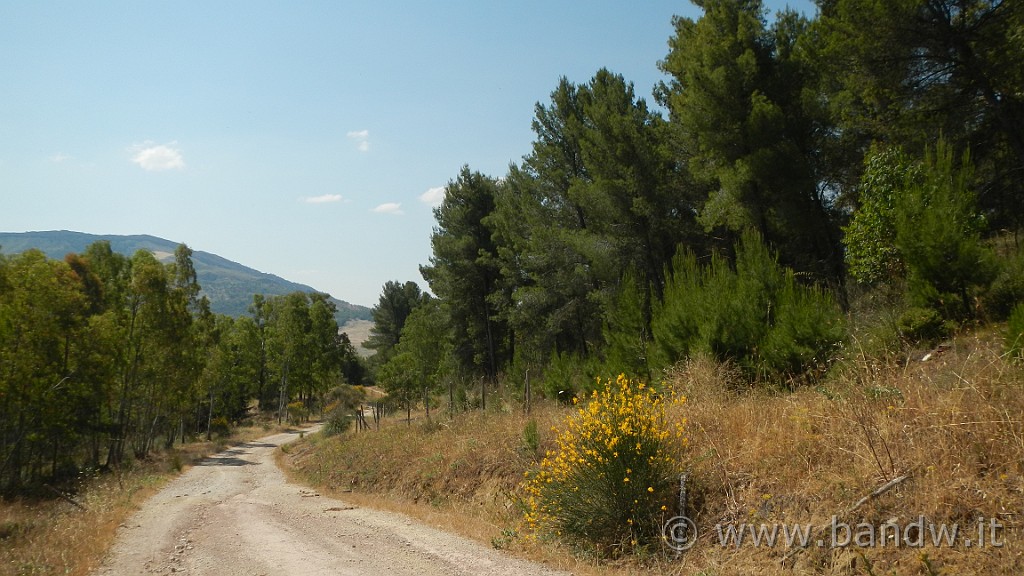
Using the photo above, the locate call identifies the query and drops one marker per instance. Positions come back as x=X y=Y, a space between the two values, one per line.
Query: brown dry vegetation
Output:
x=952 y=425
x=54 y=536
x=358 y=331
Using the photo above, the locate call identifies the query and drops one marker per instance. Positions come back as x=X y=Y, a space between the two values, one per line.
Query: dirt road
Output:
x=235 y=514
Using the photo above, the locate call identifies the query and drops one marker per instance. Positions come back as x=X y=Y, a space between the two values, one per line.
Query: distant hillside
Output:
x=229 y=285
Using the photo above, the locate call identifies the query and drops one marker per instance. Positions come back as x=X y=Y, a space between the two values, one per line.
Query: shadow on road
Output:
x=258 y=445
x=224 y=461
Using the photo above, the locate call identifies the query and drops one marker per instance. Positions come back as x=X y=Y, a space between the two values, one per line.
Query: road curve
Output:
x=234 y=514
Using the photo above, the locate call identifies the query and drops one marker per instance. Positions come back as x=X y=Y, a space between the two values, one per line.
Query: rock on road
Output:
x=234 y=514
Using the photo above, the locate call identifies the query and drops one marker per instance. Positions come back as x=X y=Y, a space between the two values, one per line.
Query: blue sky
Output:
x=304 y=139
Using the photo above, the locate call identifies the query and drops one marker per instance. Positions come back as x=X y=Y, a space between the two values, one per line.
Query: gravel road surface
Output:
x=234 y=514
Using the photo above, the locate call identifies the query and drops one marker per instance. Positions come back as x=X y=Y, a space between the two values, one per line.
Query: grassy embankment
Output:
x=55 y=536
x=950 y=427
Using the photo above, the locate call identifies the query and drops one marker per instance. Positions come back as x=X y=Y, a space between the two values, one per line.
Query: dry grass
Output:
x=358 y=332
x=461 y=474
x=952 y=425
x=56 y=537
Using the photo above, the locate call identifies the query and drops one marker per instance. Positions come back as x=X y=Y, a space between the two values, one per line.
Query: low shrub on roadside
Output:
x=1015 y=334
x=608 y=483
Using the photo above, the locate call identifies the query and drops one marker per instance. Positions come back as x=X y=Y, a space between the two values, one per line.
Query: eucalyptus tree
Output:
x=41 y=313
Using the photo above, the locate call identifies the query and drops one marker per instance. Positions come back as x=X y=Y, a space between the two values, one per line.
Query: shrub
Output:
x=755 y=314
x=531 y=438
x=343 y=402
x=297 y=412
x=938 y=232
x=565 y=375
x=921 y=324
x=1015 y=334
x=338 y=421
x=609 y=478
x=871 y=254
x=1007 y=289
x=626 y=327
x=220 y=426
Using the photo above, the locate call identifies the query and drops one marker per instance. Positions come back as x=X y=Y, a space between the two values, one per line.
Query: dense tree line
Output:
x=105 y=357
x=876 y=144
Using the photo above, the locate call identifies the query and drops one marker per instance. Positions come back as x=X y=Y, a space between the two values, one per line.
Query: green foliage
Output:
x=297 y=412
x=1015 y=334
x=610 y=477
x=101 y=353
x=871 y=252
x=1007 y=289
x=297 y=349
x=755 y=314
x=567 y=375
x=228 y=285
x=598 y=195
x=908 y=72
x=807 y=329
x=627 y=331
x=398 y=377
x=426 y=340
x=919 y=219
x=220 y=427
x=531 y=437
x=750 y=130
x=337 y=422
x=341 y=403
x=465 y=274
x=396 y=303
x=938 y=233
x=423 y=351
x=107 y=358
x=922 y=324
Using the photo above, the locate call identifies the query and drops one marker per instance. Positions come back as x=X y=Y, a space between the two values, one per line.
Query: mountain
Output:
x=229 y=285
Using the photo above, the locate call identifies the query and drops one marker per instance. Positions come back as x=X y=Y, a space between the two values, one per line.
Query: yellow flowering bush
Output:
x=610 y=477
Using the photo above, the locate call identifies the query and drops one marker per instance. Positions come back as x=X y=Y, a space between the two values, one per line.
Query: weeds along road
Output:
x=234 y=514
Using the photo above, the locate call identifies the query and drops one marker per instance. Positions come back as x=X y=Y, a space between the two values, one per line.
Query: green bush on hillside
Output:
x=755 y=314
x=938 y=233
x=1007 y=290
x=1015 y=334
x=918 y=227
x=342 y=403
x=567 y=375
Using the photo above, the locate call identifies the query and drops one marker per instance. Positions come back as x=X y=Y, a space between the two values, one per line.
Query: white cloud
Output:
x=361 y=138
x=157 y=157
x=323 y=199
x=433 y=196
x=60 y=157
x=389 y=208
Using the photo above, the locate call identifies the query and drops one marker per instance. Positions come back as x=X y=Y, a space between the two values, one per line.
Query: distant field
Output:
x=358 y=331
